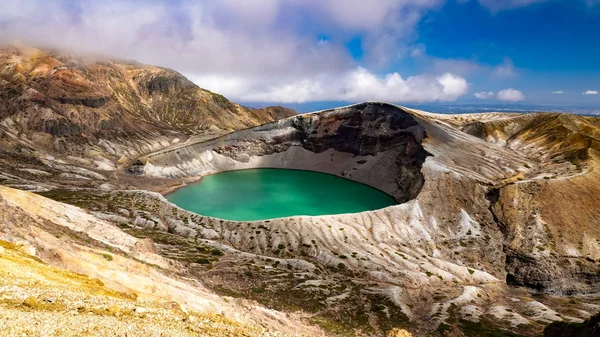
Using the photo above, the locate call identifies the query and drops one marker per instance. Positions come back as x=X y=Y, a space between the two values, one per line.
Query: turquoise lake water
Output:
x=259 y=194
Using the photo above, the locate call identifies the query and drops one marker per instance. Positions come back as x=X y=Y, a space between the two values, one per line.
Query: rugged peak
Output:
x=164 y=82
x=121 y=89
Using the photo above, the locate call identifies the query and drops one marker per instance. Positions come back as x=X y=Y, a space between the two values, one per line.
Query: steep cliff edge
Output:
x=550 y=217
x=375 y=144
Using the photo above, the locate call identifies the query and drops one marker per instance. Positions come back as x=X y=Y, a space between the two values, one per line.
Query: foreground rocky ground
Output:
x=64 y=272
x=41 y=300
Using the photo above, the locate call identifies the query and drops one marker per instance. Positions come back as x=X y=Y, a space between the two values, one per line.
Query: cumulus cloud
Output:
x=246 y=50
x=358 y=84
x=485 y=95
x=558 y=92
x=505 y=70
x=591 y=92
x=510 y=95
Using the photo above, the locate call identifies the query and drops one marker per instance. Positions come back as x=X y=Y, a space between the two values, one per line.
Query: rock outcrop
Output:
x=375 y=144
x=589 y=328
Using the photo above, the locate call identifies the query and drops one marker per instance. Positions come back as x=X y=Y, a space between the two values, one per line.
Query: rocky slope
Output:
x=589 y=328
x=557 y=200
x=65 y=272
x=60 y=110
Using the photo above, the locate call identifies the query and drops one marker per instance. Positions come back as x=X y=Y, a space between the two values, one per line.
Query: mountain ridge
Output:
x=99 y=97
x=60 y=110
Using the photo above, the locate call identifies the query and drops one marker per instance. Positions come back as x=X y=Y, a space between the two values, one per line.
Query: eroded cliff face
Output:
x=372 y=143
x=550 y=216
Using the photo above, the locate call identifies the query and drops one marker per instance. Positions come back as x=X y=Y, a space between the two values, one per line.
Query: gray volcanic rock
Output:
x=349 y=142
x=510 y=202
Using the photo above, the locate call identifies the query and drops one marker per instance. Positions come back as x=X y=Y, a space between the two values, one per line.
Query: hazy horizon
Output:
x=451 y=107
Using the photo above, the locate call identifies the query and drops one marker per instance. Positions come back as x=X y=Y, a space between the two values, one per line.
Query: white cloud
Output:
x=499 y=5
x=417 y=51
x=558 y=92
x=510 y=95
x=591 y=92
x=457 y=66
x=505 y=69
x=358 y=84
x=190 y=36
x=248 y=52
x=362 y=15
x=383 y=23
x=485 y=95
x=465 y=67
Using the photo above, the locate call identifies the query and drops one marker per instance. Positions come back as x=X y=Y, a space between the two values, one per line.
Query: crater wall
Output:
x=372 y=143
x=496 y=204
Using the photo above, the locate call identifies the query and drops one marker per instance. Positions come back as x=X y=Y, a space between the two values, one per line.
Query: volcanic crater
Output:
x=496 y=230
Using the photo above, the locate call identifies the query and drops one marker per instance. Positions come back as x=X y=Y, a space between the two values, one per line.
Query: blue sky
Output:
x=314 y=54
x=553 y=45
